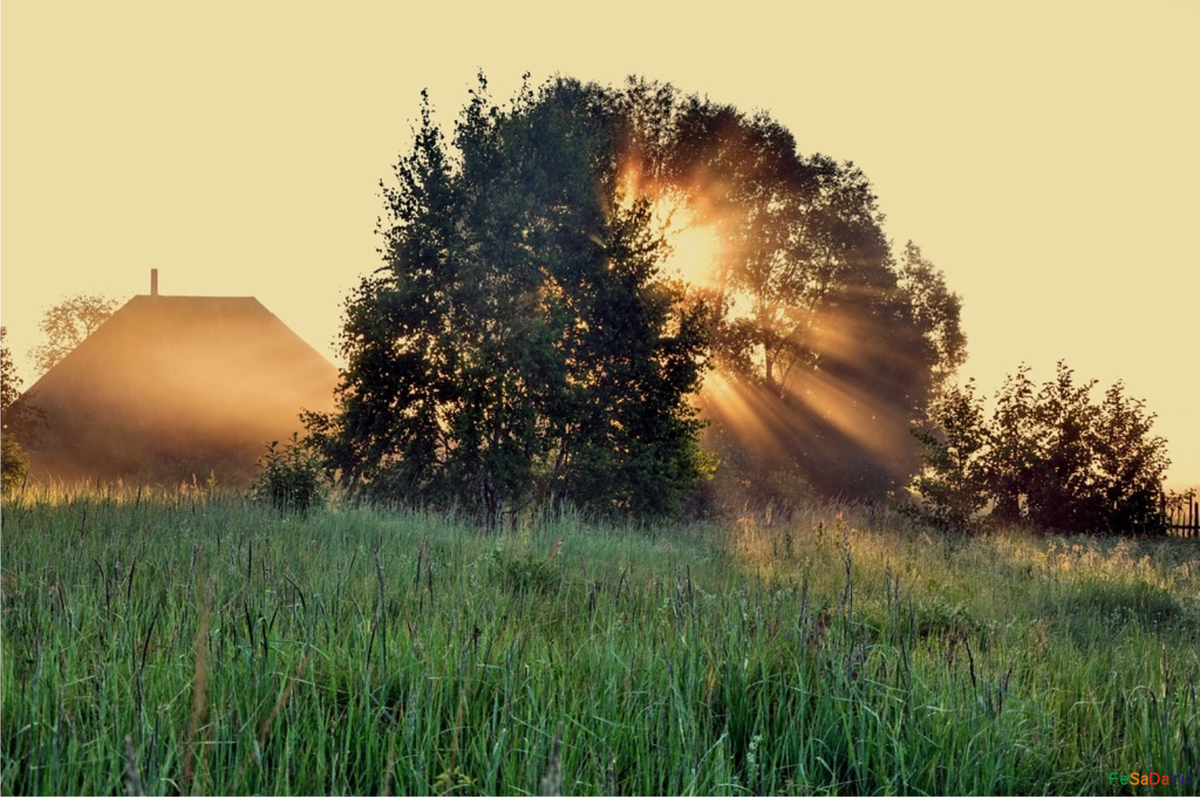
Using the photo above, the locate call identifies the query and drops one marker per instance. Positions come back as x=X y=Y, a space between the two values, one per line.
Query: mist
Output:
x=175 y=386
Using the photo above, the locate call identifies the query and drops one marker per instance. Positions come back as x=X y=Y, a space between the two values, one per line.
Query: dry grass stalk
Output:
x=552 y=782
x=200 y=685
x=133 y=781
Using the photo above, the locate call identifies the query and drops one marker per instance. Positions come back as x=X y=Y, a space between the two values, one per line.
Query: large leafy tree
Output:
x=834 y=346
x=519 y=345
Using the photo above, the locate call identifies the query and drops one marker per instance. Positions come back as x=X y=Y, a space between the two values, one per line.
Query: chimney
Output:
x=154 y=282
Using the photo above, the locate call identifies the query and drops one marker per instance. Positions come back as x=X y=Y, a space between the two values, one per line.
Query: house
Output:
x=175 y=386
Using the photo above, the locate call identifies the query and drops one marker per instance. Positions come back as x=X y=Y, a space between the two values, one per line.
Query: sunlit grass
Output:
x=361 y=651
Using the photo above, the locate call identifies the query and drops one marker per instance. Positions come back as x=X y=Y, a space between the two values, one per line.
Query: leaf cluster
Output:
x=17 y=421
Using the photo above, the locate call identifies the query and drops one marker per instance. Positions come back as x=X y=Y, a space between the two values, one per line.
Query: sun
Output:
x=694 y=245
x=695 y=248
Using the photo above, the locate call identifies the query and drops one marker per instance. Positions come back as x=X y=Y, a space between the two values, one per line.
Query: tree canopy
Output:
x=67 y=324
x=828 y=346
x=519 y=345
x=1051 y=457
x=525 y=340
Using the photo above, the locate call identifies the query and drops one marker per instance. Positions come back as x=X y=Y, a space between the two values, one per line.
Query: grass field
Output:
x=200 y=644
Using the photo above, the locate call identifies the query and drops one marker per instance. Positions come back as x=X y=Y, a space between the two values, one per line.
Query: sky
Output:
x=1041 y=154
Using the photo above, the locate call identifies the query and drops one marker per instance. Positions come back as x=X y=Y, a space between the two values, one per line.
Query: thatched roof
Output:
x=171 y=386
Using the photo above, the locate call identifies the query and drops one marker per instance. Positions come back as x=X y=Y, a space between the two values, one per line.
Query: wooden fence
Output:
x=1183 y=519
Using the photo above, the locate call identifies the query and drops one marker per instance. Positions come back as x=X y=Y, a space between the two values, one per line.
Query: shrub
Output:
x=289 y=478
x=528 y=575
x=14 y=463
x=1050 y=458
x=951 y=482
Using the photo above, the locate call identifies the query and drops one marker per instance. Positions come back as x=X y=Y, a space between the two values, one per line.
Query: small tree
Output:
x=955 y=439
x=1060 y=490
x=1050 y=457
x=1129 y=464
x=67 y=324
x=1009 y=455
x=16 y=421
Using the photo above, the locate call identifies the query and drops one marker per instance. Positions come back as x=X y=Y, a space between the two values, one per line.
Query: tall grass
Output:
x=199 y=643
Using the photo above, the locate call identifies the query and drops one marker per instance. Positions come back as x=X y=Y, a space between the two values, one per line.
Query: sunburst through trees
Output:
x=519 y=347
x=558 y=279
x=826 y=346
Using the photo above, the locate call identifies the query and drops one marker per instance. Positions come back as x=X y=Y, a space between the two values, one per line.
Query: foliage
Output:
x=531 y=573
x=10 y=383
x=371 y=652
x=952 y=482
x=835 y=345
x=519 y=346
x=1050 y=457
x=289 y=478
x=936 y=312
x=67 y=324
x=17 y=421
x=14 y=464
x=492 y=361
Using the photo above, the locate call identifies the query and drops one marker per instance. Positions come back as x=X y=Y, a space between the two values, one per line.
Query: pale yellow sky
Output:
x=1042 y=154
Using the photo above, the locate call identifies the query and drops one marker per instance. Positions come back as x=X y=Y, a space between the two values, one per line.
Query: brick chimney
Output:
x=154 y=282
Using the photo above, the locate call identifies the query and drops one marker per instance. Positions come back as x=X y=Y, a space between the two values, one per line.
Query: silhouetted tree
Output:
x=835 y=346
x=953 y=481
x=936 y=312
x=518 y=346
x=67 y=324
x=10 y=383
x=1050 y=457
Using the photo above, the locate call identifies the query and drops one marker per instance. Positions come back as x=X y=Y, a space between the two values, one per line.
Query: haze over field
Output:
x=1042 y=157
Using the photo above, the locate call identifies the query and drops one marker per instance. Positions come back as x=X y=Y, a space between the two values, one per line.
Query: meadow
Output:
x=199 y=643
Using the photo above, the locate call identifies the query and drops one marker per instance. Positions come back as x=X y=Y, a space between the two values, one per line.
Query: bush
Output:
x=14 y=464
x=289 y=478
x=529 y=575
x=952 y=483
x=1050 y=458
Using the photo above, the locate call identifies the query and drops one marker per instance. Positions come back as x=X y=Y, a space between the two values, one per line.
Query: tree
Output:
x=836 y=346
x=936 y=312
x=67 y=324
x=518 y=346
x=16 y=420
x=1129 y=463
x=1051 y=458
x=955 y=438
x=10 y=383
